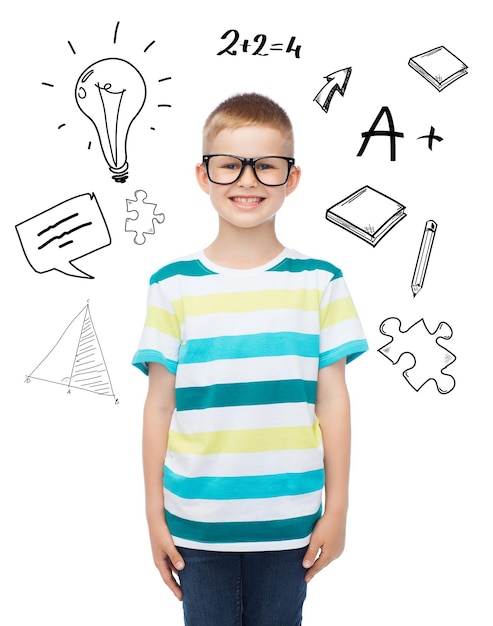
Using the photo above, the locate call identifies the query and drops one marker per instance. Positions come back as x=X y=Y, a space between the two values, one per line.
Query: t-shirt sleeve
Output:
x=160 y=339
x=341 y=331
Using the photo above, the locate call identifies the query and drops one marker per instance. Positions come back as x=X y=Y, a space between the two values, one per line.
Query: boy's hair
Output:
x=248 y=109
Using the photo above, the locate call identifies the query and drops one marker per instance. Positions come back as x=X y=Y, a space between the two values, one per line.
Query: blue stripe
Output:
x=249 y=346
x=306 y=265
x=351 y=350
x=181 y=268
x=243 y=487
x=142 y=358
x=239 y=532
x=246 y=394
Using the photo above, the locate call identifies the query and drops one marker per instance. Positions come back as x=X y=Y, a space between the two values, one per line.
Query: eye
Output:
x=269 y=164
x=232 y=165
x=264 y=166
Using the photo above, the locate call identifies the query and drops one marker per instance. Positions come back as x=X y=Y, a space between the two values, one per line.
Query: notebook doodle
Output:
x=367 y=213
x=430 y=357
x=141 y=217
x=439 y=67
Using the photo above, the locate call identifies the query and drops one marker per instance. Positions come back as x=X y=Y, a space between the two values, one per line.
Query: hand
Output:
x=327 y=541
x=166 y=557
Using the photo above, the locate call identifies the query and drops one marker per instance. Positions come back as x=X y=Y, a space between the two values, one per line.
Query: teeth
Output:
x=247 y=200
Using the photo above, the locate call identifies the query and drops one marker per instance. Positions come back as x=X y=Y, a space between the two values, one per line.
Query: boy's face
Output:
x=247 y=203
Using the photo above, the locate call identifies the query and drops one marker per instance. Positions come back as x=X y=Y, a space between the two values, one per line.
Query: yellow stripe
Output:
x=241 y=441
x=336 y=312
x=244 y=302
x=164 y=321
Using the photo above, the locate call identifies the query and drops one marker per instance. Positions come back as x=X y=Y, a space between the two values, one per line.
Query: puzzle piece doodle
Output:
x=143 y=217
x=430 y=357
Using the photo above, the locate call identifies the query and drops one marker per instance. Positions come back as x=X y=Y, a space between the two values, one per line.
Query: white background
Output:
x=73 y=544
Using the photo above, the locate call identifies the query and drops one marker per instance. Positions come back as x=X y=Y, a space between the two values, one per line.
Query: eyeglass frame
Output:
x=248 y=161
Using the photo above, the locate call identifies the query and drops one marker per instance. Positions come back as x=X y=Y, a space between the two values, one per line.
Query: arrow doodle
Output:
x=337 y=81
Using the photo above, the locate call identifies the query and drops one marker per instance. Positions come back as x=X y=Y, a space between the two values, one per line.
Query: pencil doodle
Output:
x=259 y=44
x=423 y=256
x=337 y=81
x=68 y=231
x=391 y=133
x=367 y=213
x=111 y=93
x=142 y=217
x=431 y=358
x=431 y=138
x=439 y=67
x=76 y=360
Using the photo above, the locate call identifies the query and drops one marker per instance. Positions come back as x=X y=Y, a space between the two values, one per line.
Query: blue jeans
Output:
x=243 y=588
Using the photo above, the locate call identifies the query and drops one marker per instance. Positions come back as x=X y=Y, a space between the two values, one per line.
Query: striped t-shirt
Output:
x=244 y=465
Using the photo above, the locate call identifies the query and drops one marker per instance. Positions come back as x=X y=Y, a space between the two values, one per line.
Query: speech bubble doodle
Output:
x=55 y=238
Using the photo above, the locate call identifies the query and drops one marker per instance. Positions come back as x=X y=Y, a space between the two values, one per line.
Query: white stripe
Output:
x=336 y=290
x=246 y=464
x=246 y=370
x=254 y=510
x=255 y=546
x=263 y=321
x=153 y=339
x=338 y=334
x=243 y=417
x=159 y=298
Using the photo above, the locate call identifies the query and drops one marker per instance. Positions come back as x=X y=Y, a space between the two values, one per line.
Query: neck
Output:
x=244 y=248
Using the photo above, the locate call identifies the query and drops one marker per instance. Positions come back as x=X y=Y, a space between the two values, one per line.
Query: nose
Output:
x=248 y=178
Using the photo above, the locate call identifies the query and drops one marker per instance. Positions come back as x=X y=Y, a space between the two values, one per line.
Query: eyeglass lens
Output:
x=225 y=169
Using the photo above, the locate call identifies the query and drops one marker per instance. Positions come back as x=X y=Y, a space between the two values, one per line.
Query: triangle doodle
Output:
x=76 y=360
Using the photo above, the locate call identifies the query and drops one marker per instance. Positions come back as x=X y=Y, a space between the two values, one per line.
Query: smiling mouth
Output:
x=247 y=201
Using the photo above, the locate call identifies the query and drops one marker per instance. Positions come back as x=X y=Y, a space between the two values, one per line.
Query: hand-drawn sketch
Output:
x=76 y=360
x=439 y=66
x=430 y=357
x=258 y=46
x=337 y=81
x=120 y=176
x=431 y=137
x=55 y=238
x=111 y=93
x=142 y=216
x=367 y=213
x=391 y=133
x=423 y=256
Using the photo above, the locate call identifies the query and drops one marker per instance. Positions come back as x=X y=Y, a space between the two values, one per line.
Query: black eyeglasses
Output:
x=225 y=169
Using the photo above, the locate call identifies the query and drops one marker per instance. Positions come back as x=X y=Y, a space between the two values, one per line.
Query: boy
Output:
x=245 y=345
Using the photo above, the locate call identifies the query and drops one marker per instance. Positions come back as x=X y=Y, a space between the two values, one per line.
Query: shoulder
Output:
x=189 y=265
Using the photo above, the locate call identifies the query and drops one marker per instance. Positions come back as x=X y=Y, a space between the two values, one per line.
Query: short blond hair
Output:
x=248 y=109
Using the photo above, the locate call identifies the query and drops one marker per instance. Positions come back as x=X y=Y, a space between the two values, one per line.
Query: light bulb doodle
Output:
x=111 y=93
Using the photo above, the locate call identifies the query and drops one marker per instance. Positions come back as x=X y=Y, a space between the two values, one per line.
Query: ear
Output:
x=293 y=180
x=201 y=176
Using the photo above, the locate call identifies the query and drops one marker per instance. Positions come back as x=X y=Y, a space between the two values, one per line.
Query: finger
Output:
x=310 y=556
x=319 y=564
x=175 y=558
x=166 y=568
